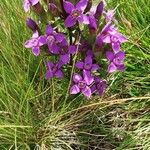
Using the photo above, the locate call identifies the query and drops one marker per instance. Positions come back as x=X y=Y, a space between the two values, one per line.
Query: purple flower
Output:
x=81 y=84
x=65 y=51
x=92 y=22
x=32 y=24
x=99 y=9
x=110 y=35
x=99 y=86
x=53 y=9
x=94 y=13
x=87 y=64
x=52 y=38
x=115 y=61
x=53 y=70
x=75 y=13
x=109 y=15
x=28 y=3
x=35 y=42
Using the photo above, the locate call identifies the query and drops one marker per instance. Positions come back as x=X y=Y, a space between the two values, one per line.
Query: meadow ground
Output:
x=33 y=115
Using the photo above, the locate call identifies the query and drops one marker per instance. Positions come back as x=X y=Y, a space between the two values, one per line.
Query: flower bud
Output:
x=38 y=9
x=53 y=9
x=100 y=9
x=31 y=24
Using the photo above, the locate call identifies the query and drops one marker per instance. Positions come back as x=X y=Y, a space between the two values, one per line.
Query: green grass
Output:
x=33 y=113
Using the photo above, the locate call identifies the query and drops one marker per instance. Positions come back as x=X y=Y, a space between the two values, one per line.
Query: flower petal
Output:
x=81 y=5
x=59 y=37
x=88 y=60
x=34 y=2
x=59 y=74
x=72 y=49
x=42 y=40
x=49 y=65
x=116 y=47
x=48 y=75
x=49 y=30
x=120 y=55
x=92 y=22
x=87 y=92
x=53 y=48
x=109 y=15
x=112 y=67
x=99 y=41
x=77 y=78
x=36 y=51
x=121 y=67
x=79 y=64
x=65 y=58
x=101 y=87
x=29 y=43
x=26 y=5
x=122 y=38
x=83 y=19
x=88 y=77
x=106 y=39
x=74 y=89
x=110 y=55
x=35 y=35
x=68 y=7
x=95 y=67
x=70 y=21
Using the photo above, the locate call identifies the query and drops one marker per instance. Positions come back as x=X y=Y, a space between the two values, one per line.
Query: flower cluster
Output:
x=77 y=35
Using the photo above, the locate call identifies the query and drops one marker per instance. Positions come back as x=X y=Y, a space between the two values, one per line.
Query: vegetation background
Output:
x=33 y=115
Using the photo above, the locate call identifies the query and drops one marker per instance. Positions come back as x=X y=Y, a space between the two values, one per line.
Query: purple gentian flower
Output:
x=94 y=13
x=81 y=84
x=52 y=38
x=32 y=24
x=35 y=42
x=87 y=64
x=92 y=22
x=28 y=3
x=114 y=38
x=75 y=13
x=53 y=70
x=110 y=35
x=99 y=86
x=109 y=15
x=115 y=61
x=53 y=9
x=65 y=50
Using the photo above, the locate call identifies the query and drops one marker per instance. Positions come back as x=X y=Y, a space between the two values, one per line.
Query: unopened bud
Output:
x=38 y=8
x=53 y=9
x=31 y=24
x=100 y=9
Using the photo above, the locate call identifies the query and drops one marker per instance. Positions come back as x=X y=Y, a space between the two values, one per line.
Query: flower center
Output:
x=81 y=84
x=50 y=39
x=35 y=42
x=54 y=69
x=117 y=61
x=87 y=66
x=76 y=13
x=99 y=86
x=64 y=50
x=114 y=39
